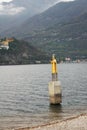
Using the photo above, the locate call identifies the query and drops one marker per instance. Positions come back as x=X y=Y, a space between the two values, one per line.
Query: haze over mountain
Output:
x=60 y=29
x=57 y=15
x=60 y=13
x=15 y=12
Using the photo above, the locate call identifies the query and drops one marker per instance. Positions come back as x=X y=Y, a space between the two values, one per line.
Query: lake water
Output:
x=24 y=99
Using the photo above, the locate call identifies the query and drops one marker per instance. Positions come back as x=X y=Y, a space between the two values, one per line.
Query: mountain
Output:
x=14 y=13
x=60 y=13
x=61 y=30
x=21 y=52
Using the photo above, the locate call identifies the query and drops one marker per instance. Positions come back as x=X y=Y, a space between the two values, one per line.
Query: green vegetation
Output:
x=21 y=52
x=65 y=40
x=75 y=49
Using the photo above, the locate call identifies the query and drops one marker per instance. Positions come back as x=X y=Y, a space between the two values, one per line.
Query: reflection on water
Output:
x=56 y=109
x=24 y=97
x=56 y=112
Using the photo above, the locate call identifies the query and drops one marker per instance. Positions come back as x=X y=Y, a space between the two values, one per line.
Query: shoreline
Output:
x=78 y=122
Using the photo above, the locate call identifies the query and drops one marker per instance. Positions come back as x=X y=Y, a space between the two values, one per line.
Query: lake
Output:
x=24 y=99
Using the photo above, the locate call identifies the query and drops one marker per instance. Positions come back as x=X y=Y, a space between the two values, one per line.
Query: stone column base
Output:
x=55 y=93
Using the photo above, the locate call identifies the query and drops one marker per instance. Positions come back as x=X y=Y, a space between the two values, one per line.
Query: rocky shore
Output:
x=73 y=123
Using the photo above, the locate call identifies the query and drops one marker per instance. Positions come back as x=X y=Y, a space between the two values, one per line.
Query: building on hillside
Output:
x=9 y=39
x=5 y=44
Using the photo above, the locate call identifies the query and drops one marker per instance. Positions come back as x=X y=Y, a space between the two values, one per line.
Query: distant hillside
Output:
x=60 y=13
x=14 y=13
x=65 y=40
x=62 y=30
x=21 y=52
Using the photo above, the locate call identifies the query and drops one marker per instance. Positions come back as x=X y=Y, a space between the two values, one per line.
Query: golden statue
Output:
x=54 y=68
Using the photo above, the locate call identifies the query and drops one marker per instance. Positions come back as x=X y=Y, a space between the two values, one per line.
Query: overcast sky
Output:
x=12 y=9
x=34 y=0
x=5 y=1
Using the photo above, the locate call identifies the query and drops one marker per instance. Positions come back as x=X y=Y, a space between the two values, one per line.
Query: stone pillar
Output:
x=55 y=93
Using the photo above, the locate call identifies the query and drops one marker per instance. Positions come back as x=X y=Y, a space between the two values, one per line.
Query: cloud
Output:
x=64 y=1
x=67 y=0
x=1 y=1
x=9 y=9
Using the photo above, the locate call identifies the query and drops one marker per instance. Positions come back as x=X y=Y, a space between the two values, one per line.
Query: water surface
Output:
x=24 y=99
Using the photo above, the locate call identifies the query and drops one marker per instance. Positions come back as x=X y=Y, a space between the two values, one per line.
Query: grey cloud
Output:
x=10 y=9
x=32 y=6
